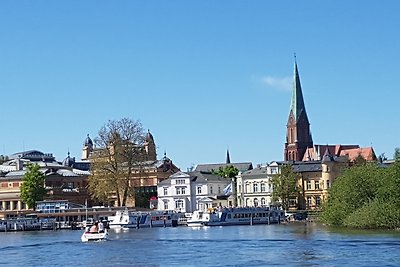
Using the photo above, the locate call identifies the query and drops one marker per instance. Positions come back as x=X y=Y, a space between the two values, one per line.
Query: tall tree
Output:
x=396 y=155
x=33 y=186
x=119 y=152
x=285 y=186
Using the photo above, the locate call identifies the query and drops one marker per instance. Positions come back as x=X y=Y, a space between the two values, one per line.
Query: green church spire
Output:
x=297 y=106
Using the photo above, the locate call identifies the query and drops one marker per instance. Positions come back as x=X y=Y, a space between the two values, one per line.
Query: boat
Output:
x=94 y=236
x=121 y=219
x=138 y=219
x=237 y=216
x=198 y=218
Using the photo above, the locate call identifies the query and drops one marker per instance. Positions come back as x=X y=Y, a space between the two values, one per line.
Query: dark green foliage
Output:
x=396 y=155
x=229 y=171
x=365 y=196
x=32 y=188
x=285 y=186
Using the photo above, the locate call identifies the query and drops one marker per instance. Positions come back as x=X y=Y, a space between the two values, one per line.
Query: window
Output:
x=262 y=187
x=317 y=201
x=211 y=189
x=179 y=204
x=309 y=201
x=165 y=191
x=263 y=202
x=255 y=202
x=180 y=181
x=247 y=188
x=327 y=184
x=165 y=205
x=255 y=187
x=219 y=189
x=292 y=202
x=181 y=190
x=199 y=190
x=308 y=185
x=316 y=184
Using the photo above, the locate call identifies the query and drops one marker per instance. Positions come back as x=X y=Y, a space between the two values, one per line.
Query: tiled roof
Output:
x=366 y=152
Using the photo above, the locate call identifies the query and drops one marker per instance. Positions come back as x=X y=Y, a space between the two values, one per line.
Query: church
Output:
x=317 y=165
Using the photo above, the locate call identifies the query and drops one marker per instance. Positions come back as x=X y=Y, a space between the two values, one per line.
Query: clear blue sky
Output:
x=203 y=76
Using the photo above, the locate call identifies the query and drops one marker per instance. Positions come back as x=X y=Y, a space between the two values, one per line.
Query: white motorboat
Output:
x=198 y=218
x=94 y=236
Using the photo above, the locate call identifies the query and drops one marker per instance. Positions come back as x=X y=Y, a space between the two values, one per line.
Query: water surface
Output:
x=259 y=245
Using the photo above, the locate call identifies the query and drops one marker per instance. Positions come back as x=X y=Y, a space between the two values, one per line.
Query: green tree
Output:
x=356 y=187
x=33 y=186
x=229 y=171
x=285 y=186
x=396 y=155
x=119 y=153
x=360 y=160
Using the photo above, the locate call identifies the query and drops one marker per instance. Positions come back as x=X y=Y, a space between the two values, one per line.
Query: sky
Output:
x=202 y=76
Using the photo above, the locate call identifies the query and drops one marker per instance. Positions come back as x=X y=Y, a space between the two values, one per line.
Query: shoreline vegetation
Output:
x=366 y=196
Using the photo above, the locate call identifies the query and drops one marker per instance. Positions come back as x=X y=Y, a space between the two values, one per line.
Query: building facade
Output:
x=254 y=187
x=61 y=181
x=190 y=191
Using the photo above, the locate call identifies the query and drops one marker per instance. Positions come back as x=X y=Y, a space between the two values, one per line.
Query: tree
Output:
x=285 y=186
x=33 y=186
x=229 y=171
x=119 y=152
x=396 y=155
x=355 y=188
x=360 y=160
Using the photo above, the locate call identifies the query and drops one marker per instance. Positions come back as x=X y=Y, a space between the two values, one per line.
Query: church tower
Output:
x=87 y=148
x=298 y=134
x=150 y=147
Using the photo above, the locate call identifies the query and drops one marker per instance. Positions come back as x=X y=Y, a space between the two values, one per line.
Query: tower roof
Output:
x=228 y=158
x=297 y=107
x=88 y=141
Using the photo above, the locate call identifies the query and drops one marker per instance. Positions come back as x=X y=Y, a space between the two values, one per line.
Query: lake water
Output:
x=259 y=245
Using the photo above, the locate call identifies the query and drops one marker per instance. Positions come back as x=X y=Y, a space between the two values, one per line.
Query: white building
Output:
x=187 y=192
x=254 y=187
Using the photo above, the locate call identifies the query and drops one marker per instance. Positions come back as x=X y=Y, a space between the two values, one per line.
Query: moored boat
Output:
x=198 y=218
x=237 y=216
x=137 y=219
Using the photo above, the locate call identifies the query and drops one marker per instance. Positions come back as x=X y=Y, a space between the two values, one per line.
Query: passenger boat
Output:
x=95 y=236
x=237 y=216
x=137 y=219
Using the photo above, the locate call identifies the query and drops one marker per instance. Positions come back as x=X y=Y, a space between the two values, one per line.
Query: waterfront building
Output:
x=61 y=181
x=146 y=174
x=254 y=187
x=315 y=179
x=190 y=191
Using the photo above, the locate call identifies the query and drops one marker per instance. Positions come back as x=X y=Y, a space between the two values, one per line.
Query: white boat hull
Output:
x=87 y=237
